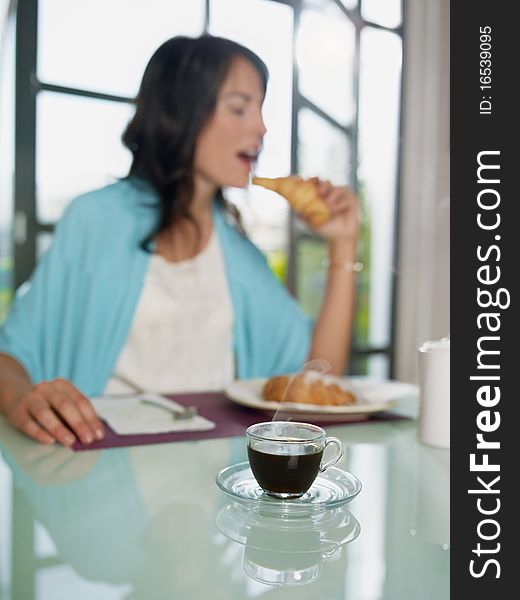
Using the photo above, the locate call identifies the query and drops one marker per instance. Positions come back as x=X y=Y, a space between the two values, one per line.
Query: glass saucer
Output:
x=331 y=528
x=330 y=489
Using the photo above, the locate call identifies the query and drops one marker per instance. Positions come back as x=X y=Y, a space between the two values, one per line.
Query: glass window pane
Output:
x=379 y=101
x=325 y=55
x=6 y=267
x=376 y=366
x=246 y=22
x=6 y=155
x=383 y=12
x=78 y=147
x=311 y=273
x=105 y=46
x=323 y=150
x=360 y=335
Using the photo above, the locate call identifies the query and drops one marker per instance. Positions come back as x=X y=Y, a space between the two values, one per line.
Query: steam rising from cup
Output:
x=313 y=369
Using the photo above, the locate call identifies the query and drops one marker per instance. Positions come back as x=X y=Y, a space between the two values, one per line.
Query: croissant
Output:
x=305 y=390
x=301 y=195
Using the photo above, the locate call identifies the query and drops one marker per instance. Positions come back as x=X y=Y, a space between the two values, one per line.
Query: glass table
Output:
x=149 y=522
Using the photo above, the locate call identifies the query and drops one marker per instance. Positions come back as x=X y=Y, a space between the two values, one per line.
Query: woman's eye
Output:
x=238 y=110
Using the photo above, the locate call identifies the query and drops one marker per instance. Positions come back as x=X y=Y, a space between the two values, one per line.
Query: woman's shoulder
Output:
x=112 y=218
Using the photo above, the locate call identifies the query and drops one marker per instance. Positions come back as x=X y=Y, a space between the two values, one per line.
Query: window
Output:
x=332 y=110
x=6 y=152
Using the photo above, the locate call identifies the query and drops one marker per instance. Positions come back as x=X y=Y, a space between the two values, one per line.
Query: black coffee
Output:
x=284 y=473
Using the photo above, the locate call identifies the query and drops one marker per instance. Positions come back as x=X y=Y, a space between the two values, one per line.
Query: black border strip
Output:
x=483 y=277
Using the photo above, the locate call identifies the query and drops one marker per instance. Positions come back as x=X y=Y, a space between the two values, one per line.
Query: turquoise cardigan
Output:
x=71 y=319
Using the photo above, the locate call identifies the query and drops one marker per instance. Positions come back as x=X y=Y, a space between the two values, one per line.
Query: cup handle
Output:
x=333 y=459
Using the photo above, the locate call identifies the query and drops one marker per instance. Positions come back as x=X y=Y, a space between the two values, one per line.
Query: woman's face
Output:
x=229 y=143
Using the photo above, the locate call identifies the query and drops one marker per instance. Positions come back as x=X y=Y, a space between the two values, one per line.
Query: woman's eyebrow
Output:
x=242 y=95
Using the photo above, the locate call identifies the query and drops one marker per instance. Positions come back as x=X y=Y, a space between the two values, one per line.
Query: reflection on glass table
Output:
x=287 y=550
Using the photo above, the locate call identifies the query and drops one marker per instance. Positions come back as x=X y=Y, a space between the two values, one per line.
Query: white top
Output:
x=181 y=336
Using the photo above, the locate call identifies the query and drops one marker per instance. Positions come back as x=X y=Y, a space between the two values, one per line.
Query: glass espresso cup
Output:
x=286 y=457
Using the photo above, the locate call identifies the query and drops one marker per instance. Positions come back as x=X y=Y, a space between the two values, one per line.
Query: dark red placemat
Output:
x=231 y=419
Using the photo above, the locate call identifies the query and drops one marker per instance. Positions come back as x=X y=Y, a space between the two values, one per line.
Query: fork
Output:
x=177 y=413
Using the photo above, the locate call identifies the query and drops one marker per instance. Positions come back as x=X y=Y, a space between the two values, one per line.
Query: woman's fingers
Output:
x=67 y=409
x=86 y=409
x=33 y=430
x=44 y=414
x=20 y=417
x=84 y=406
x=338 y=198
x=343 y=205
x=323 y=187
x=56 y=411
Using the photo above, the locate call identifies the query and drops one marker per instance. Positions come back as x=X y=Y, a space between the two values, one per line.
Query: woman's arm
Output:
x=49 y=411
x=333 y=327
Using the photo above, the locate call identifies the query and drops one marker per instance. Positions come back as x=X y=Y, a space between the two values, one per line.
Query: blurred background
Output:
x=358 y=94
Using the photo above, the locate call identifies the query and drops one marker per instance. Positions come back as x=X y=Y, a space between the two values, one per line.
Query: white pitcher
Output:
x=434 y=384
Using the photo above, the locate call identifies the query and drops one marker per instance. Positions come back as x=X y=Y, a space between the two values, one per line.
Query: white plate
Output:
x=248 y=392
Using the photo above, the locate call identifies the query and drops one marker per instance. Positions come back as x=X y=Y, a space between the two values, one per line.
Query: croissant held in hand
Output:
x=301 y=195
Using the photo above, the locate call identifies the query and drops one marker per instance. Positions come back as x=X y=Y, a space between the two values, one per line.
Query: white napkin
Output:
x=126 y=415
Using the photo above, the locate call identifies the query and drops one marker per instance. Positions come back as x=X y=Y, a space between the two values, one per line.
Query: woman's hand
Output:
x=343 y=204
x=55 y=411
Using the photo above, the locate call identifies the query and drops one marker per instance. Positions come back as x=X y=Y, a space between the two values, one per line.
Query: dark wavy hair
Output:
x=176 y=98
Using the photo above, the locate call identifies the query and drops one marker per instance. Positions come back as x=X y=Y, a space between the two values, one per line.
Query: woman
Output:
x=149 y=283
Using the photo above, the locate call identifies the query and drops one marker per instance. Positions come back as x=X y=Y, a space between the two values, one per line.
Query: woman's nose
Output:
x=263 y=128
x=260 y=128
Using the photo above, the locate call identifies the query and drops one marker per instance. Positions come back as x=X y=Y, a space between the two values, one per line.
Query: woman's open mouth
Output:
x=248 y=158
